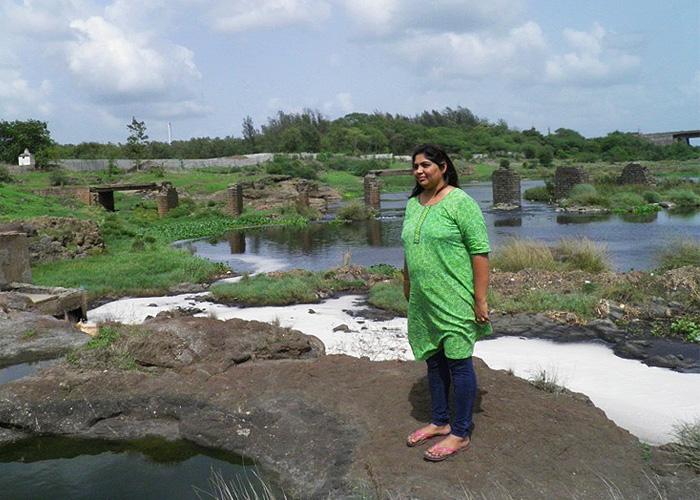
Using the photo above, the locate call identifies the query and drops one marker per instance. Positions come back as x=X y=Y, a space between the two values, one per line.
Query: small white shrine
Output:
x=26 y=159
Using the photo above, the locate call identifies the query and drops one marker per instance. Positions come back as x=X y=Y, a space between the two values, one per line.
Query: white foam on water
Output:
x=646 y=401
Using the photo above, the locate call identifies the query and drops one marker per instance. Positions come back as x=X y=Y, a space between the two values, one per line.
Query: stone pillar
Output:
x=167 y=199
x=565 y=178
x=372 y=191
x=234 y=200
x=162 y=201
x=14 y=258
x=505 y=184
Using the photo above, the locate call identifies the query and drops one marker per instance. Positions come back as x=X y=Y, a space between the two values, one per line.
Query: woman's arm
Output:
x=406 y=281
x=480 y=267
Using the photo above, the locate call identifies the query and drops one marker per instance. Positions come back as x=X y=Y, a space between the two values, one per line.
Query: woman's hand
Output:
x=481 y=311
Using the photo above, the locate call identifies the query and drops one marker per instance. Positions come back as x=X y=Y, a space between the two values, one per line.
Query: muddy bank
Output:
x=331 y=426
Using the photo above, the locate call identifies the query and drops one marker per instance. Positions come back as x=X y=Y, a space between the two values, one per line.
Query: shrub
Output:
x=519 y=254
x=539 y=193
x=684 y=197
x=627 y=201
x=504 y=163
x=686 y=328
x=354 y=211
x=583 y=254
x=282 y=165
x=586 y=194
x=651 y=196
x=59 y=177
x=679 y=253
x=5 y=175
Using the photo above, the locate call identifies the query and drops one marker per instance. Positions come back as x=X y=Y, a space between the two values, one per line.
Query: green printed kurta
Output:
x=438 y=241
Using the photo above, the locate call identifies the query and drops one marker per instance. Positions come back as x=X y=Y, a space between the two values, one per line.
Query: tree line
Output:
x=459 y=130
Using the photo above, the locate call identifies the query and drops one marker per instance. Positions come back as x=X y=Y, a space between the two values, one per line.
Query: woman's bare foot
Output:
x=423 y=434
x=447 y=447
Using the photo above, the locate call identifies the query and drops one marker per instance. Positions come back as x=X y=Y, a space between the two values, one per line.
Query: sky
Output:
x=86 y=67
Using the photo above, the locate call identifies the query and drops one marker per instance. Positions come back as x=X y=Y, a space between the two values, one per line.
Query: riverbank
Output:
x=260 y=390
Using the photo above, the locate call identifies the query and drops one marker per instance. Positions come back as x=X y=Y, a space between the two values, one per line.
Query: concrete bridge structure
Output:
x=668 y=138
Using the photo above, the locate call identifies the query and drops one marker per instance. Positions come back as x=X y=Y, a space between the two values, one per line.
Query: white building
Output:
x=26 y=159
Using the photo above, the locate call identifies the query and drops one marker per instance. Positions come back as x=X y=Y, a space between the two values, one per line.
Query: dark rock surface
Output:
x=26 y=336
x=334 y=426
x=653 y=351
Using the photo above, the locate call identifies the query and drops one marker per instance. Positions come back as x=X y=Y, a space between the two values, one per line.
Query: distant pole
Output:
x=170 y=133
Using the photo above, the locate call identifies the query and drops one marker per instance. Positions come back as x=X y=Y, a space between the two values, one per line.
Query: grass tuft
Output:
x=687 y=444
x=547 y=381
x=679 y=253
x=517 y=254
x=583 y=254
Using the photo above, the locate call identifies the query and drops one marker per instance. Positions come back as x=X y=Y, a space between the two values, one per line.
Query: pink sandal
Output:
x=439 y=453
x=419 y=437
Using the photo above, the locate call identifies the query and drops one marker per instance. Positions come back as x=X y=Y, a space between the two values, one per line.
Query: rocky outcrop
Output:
x=26 y=336
x=334 y=426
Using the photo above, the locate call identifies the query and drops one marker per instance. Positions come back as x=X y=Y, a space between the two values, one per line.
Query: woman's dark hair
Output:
x=437 y=155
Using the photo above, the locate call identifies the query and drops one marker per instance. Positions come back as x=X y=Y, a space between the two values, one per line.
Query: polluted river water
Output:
x=622 y=388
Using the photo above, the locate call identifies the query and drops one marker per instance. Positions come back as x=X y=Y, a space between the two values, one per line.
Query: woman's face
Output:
x=427 y=173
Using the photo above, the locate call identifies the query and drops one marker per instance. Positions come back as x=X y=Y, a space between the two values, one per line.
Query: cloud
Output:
x=120 y=66
x=18 y=97
x=413 y=17
x=43 y=20
x=592 y=60
x=242 y=15
x=473 y=55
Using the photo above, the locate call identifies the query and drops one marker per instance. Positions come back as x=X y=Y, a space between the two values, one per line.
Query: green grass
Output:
x=18 y=203
x=679 y=253
x=105 y=337
x=289 y=288
x=350 y=186
x=389 y=296
x=124 y=272
x=534 y=301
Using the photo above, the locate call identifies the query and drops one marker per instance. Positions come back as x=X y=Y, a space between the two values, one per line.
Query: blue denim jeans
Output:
x=443 y=372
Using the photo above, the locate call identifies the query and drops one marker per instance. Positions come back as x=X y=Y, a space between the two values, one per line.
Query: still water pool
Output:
x=57 y=467
x=632 y=241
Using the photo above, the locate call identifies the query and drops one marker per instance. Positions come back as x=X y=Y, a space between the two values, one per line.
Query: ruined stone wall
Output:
x=14 y=258
x=565 y=178
x=634 y=173
x=505 y=184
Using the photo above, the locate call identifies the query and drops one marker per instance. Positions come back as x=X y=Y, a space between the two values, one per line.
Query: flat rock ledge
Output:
x=26 y=336
x=334 y=426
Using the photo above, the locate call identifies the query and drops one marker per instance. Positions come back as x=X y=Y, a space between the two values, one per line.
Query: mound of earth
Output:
x=59 y=238
x=334 y=426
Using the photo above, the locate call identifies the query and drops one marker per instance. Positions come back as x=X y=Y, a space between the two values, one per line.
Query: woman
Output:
x=446 y=274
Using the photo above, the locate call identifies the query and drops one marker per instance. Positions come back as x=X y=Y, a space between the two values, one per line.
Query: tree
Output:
x=249 y=132
x=137 y=140
x=19 y=135
x=546 y=156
